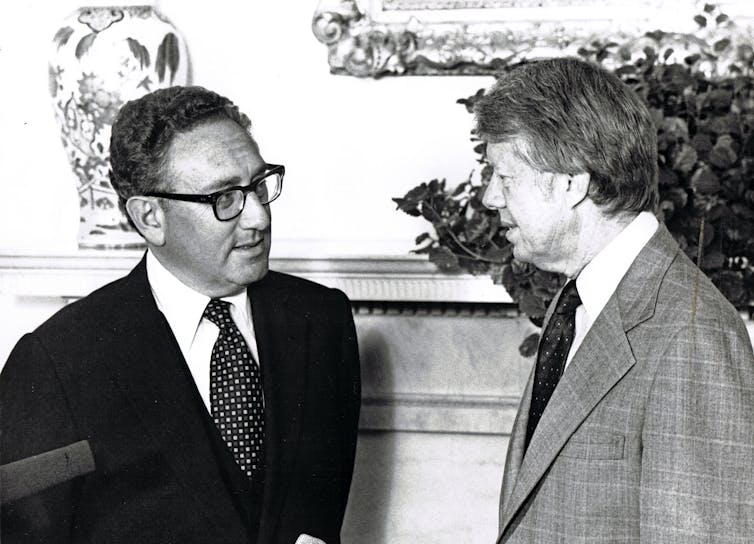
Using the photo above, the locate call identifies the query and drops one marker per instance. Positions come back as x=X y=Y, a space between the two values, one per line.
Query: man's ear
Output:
x=149 y=218
x=577 y=189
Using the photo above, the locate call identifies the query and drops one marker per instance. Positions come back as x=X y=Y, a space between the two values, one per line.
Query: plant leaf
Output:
x=723 y=155
x=62 y=36
x=168 y=57
x=625 y=70
x=445 y=259
x=84 y=44
x=500 y=255
x=421 y=238
x=705 y=181
x=677 y=196
x=720 y=99
x=714 y=260
x=531 y=305
x=459 y=189
x=418 y=193
x=685 y=158
x=721 y=45
x=476 y=227
x=528 y=347
x=692 y=59
x=139 y=52
x=702 y=143
x=407 y=206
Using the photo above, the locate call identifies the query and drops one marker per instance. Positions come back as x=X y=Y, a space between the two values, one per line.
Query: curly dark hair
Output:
x=145 y=127
x=574 y=117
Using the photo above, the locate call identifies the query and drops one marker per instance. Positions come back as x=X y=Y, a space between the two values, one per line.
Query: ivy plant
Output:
x=699 y=88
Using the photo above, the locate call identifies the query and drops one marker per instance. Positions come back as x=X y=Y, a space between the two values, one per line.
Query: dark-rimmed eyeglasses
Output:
x=229 y=203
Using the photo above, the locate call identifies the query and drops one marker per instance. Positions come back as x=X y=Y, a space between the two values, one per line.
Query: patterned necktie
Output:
x=235 y=392
x=553 y=351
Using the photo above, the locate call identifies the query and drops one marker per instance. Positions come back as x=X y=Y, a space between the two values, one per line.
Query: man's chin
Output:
x=520 y=255
x=527 y=258
x=256 y=272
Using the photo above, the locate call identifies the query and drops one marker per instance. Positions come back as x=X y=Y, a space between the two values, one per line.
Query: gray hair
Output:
x=575 y=117
x=145 y=127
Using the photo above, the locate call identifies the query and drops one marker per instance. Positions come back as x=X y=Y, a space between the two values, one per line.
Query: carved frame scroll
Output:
x=374 y=38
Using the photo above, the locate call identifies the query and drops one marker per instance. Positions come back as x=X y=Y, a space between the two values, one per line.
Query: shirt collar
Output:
x=182 y=306
x=600 y=278
x=240 y=303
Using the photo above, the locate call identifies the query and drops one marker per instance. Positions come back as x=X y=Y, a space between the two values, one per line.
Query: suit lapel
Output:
x=155 y=377
x=589 y=376
x=515 y=454
x=282 y=338
x=515 y=449
x=601 y=361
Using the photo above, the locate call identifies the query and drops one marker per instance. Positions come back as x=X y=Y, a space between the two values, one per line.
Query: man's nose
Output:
x=254 y=215
x=493 y=195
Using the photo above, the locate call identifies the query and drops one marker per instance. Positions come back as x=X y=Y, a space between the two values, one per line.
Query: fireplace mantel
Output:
x=75 y=273
x=406 y=313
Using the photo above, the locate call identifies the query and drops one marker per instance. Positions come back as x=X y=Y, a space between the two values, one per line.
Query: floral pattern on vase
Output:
x=103 y=57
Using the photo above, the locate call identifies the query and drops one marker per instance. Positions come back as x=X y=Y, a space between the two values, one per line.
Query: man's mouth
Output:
x=249 y=245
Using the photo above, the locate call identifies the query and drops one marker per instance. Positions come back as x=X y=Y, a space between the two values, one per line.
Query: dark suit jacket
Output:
x=107 y=369
x=649 y=435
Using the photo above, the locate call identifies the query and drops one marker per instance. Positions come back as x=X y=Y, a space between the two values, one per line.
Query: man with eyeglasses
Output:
x=219 y=400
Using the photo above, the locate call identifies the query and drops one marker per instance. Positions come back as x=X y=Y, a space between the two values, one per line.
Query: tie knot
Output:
x=569 y=299
x=218 y=311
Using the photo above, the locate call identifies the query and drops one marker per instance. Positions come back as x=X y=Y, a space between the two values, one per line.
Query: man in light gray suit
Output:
x=637 y=423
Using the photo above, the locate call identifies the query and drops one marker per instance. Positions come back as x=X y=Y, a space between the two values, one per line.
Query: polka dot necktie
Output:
x=553 y=351
x=235 y=392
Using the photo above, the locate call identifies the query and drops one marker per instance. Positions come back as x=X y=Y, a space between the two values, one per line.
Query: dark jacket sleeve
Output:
x=34 y=418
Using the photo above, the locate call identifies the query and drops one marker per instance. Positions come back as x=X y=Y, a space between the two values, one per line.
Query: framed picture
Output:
x=373 y=38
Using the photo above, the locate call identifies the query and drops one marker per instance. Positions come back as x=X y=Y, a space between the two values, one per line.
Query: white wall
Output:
x=349 y=144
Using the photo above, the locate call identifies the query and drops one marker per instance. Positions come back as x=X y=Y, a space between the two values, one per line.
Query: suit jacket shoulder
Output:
x=102 y=310
x=298 y=290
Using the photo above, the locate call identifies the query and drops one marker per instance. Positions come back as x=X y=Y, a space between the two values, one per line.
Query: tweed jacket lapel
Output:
x=515 y=450
x=150 y=369
x=282 y=335
x=600 y=362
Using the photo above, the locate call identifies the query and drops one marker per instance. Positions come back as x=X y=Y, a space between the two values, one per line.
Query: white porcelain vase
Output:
x=101 y=58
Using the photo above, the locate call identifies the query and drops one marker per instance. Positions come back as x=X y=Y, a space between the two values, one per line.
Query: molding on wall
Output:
x=434 y=308
x=439 y=414
x=74 y=274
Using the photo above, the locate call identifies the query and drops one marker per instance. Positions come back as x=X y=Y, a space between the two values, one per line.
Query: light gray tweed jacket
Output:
x=649 y=436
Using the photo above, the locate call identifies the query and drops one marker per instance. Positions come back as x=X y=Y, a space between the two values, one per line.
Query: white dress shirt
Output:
x=183 y=308
x=600 y=278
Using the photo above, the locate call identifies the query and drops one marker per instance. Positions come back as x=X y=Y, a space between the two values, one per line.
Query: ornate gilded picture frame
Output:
x=373 y=38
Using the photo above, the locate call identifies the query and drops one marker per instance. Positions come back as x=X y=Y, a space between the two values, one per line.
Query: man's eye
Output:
x=227 y=200
x=262 y=189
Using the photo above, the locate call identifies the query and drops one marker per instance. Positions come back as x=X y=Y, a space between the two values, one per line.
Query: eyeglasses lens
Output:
x=231 y=203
